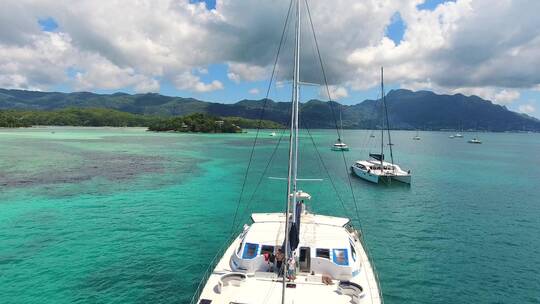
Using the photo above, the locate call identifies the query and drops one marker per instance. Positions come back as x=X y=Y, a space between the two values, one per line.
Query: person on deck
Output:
x=291 y=271
x=279 y=261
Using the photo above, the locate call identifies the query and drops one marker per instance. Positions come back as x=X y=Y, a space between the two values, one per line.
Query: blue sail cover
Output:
x=294 y=233
x=378 y=157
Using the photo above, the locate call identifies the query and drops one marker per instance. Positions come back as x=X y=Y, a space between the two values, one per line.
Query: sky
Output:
x=224 y=50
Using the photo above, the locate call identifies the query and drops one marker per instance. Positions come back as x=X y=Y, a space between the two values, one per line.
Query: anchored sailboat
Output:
x=294 y=256
x=339 y=145
x=416 y=137
x=375 y=169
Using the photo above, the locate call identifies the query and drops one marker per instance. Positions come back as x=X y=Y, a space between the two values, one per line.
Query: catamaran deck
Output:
x=316 y=231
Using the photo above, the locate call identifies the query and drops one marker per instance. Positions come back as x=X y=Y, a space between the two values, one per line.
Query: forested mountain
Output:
x=407 y=109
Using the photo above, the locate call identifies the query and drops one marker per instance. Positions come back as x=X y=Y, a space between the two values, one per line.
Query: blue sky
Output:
x=191 y=50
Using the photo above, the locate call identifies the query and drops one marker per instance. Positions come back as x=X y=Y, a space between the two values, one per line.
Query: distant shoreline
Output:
x=254 y=129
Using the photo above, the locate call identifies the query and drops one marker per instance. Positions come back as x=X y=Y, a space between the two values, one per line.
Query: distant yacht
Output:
x=273 y=134
x=293 y=256
x=475 y=141
x=376 y=170
x=416 y=137
x=458 y=135
x=339 y=145
x=452 y=136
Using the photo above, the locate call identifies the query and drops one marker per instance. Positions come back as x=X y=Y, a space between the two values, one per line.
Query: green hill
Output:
x=407 y=109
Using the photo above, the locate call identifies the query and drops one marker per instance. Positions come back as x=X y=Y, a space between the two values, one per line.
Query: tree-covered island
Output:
x=99 y=117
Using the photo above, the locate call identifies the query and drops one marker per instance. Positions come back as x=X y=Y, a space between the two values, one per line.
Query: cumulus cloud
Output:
x=188 y=81
x=336 y=92
x=242 y=71
x=254 y=91
x=491 y=47
x=527 y=109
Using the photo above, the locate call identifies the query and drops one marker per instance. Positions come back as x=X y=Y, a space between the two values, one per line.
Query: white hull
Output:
x=370 y=177
x=378 y=176
x=258 y=285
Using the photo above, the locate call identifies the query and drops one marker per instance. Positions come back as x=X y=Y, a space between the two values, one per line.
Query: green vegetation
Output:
x=195 y=123
x=73 y=117
x=208 y=124
x=97 y=117
x=407 y=109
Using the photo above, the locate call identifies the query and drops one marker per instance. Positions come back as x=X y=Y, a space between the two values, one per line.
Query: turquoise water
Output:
x=126 y=216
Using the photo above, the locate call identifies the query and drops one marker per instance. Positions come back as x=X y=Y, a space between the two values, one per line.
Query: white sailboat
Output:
x=339 y=145
x=475 y=141
x=458 y=134
x=331 y=264
x=416 y=137
x=375 y=169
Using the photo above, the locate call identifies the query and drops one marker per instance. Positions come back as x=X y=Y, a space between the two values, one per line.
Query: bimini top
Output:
x=307 y=218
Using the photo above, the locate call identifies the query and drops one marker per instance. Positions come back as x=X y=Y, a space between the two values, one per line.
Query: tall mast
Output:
x=388 y=129
x=382 y=118
x=341 y=124
x=293 y=147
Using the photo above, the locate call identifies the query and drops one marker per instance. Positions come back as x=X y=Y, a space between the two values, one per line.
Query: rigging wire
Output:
x=333 y=112
x=325 y=168
x=260 y=120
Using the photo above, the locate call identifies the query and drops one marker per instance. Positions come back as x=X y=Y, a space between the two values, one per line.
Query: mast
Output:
x=388 y=129
x=382 y=119
x=341 y=124
x=293 y=148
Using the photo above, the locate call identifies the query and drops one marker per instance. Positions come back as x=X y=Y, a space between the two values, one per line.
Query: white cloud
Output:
x=336 y=92
x=147 y=86
x=254 y=91
x=469 y=45
x=242 y=71
x=188 y=81
x=506 y=96
x=527 y=109
x=502 y=97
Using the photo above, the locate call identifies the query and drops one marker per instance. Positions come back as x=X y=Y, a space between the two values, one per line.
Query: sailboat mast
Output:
x=382 y=118
x=293 y=148
x=340 y=132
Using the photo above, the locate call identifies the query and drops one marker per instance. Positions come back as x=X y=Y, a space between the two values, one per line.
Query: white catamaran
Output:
x=323 y=257
x=375 y=169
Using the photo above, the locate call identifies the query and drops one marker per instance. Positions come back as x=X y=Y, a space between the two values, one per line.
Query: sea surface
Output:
x=121 y=215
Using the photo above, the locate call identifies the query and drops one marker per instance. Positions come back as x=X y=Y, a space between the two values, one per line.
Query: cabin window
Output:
x=341 y=257
x=322 y=253
x=250 y=251
x=267 y=248
x=353 y=252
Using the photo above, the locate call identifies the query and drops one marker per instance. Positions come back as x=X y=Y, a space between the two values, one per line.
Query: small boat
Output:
x=273 y=134
x=475 y=141
x=376 y=170
x=416 y=137
x=452 y=136
x=340 y=146
x=458 y=135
